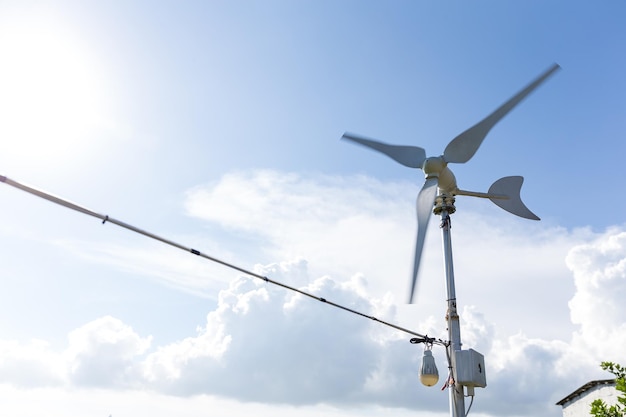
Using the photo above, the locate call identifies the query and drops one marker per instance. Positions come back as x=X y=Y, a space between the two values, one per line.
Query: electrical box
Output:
x=470 y=368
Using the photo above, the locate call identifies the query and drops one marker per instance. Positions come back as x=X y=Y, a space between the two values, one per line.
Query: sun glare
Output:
x=51 y=98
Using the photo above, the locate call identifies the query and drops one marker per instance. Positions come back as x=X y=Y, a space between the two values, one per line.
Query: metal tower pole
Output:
x=444 y=206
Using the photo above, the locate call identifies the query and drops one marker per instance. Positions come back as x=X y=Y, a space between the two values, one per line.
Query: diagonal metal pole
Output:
x=444 y=206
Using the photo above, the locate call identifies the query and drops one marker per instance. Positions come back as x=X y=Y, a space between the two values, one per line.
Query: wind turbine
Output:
x=437 y=195
x=505 y=192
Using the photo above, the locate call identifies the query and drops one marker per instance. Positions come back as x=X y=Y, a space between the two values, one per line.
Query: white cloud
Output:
x=101 y=353
x=514 y=272
x=527 y=376
x=92 y=402
x=333 y=222
x=344 y=225
x=262 y=343
x=31 y=364
x=599 y=269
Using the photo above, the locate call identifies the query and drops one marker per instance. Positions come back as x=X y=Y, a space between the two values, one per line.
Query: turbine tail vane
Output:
x=511 y=187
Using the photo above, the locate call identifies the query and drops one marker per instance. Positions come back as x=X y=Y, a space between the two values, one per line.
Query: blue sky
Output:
x=217 y=124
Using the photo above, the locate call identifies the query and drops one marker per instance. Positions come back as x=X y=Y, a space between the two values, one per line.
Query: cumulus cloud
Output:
x=519 y=279
x=533 y=373
x=263 y=343
x=348 y=241
x=31 y=364
x=527 y=376
x=599 y=269
x=334 y=222
x=101 y=353
x=343 y=225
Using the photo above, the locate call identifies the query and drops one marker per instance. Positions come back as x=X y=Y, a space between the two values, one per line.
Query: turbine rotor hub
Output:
x=433 y=166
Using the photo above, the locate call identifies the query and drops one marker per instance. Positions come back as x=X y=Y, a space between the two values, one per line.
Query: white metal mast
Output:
x=444 y=206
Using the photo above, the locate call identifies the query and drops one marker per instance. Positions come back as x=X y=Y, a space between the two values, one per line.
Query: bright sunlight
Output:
x=51 y=97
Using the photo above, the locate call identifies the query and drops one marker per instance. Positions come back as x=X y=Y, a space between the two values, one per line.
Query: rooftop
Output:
x=585 y=388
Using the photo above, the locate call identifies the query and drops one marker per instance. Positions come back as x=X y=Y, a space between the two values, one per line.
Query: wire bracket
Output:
x=428 y=341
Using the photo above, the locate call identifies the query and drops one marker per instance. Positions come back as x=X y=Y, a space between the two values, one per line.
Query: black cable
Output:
x=106 y=218
x=470 y=406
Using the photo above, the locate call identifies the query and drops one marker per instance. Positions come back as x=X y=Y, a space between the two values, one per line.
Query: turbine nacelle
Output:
x=505 y=192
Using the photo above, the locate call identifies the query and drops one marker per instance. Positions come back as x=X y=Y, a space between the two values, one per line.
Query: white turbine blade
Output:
x=510 y=187
x=464 y=146
x=410 y=156
x=425 y=201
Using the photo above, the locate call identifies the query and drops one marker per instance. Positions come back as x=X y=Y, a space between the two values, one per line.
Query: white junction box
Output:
x=470 y=368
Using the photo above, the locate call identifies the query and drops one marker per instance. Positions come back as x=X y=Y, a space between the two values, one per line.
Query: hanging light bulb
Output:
x=428 y=371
